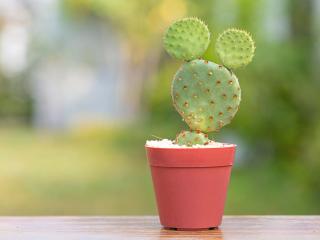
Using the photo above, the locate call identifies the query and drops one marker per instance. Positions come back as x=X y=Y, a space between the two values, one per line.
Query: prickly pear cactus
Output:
x=189 y=138
x=235 y=48
x=187 y=39
x=206 y=95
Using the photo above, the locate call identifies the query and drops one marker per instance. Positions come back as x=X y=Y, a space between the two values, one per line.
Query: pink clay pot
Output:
x=191 y=184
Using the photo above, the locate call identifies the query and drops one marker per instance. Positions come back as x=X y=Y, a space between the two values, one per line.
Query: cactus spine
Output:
x=207 y=95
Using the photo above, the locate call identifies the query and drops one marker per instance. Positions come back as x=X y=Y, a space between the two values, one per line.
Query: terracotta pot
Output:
x=191 y=184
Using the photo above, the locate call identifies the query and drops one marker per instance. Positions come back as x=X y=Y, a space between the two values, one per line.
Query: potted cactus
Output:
x=191 y=174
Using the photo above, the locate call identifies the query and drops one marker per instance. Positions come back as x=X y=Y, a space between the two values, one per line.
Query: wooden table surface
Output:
x=148 y=227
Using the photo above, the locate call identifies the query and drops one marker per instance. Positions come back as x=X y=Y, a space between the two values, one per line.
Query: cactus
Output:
x=207 y=95
x=189 y=138
x=235 y=48
x=187 y=39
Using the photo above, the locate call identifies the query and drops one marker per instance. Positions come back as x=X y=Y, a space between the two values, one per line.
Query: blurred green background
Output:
x=84 y=83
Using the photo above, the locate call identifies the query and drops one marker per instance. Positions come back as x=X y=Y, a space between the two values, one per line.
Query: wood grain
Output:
x=147 y=227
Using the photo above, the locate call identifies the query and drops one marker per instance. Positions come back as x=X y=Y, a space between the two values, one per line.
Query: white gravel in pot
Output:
x=166 y=143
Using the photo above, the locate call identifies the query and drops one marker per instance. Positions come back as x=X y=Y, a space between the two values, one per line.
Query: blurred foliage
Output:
x=277 y=127
x=104 y=171
x=140 y=21
x=15 y=101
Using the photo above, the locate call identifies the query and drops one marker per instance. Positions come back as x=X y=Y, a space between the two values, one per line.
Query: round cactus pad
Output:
x=206 y=95
x=190 y=138
x=235 y=48
x=187 y=39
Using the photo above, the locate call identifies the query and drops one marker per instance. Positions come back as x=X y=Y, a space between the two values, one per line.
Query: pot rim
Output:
x=229 y=145
x=191 y=157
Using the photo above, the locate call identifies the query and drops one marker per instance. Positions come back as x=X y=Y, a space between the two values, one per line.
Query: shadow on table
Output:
x=216 y=234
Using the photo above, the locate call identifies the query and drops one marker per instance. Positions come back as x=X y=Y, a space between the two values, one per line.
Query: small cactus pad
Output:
x=235 y=48
x=187 y=39
x=206 y=95
x=190 y=138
